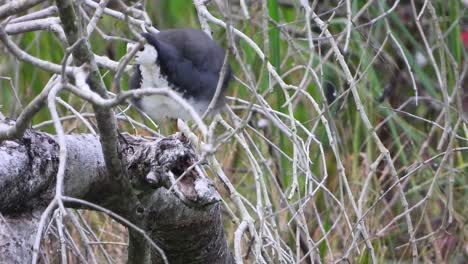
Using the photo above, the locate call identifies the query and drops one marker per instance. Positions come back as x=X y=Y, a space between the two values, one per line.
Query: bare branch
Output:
x=43 y=13
x=83 y=55
x=21 y=55
x=17 y=6
x=23 y=121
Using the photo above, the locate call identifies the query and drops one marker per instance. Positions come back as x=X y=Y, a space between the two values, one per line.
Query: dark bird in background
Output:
x=185 y=60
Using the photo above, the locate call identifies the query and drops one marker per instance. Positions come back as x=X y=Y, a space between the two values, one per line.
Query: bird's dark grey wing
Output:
x=180 y=72
x=191 y=68
x=195 y=46
x=135 y=78
x=135 y=83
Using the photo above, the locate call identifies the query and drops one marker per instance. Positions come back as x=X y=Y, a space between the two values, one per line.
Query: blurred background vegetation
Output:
x=411 y=128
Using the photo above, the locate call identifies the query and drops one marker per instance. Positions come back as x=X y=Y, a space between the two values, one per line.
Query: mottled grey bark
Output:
x=187 y=226
x=17 y=236
x=186 y=235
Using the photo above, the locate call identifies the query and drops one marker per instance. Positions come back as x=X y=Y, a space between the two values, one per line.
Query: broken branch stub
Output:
x=160 y=163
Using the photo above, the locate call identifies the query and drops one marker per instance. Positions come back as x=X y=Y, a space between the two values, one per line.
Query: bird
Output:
x=187 y=61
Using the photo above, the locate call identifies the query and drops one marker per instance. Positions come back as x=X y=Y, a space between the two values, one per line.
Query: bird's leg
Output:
x=194 y=138
x=122 y=138
x=175 y=128
x=169 y=126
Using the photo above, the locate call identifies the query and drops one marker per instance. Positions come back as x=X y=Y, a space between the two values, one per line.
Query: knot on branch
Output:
x=33 y=160
x=171 y=163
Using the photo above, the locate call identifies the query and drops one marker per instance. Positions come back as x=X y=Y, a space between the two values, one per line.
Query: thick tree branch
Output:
x=188 y=229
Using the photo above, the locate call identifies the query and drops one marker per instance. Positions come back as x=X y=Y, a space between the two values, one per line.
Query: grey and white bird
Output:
x=185 y=60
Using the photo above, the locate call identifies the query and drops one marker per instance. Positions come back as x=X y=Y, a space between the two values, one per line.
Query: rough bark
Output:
x=186 y=225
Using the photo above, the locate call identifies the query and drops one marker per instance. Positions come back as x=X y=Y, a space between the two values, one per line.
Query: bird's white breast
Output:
x=160 y=106
x=151 y=77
